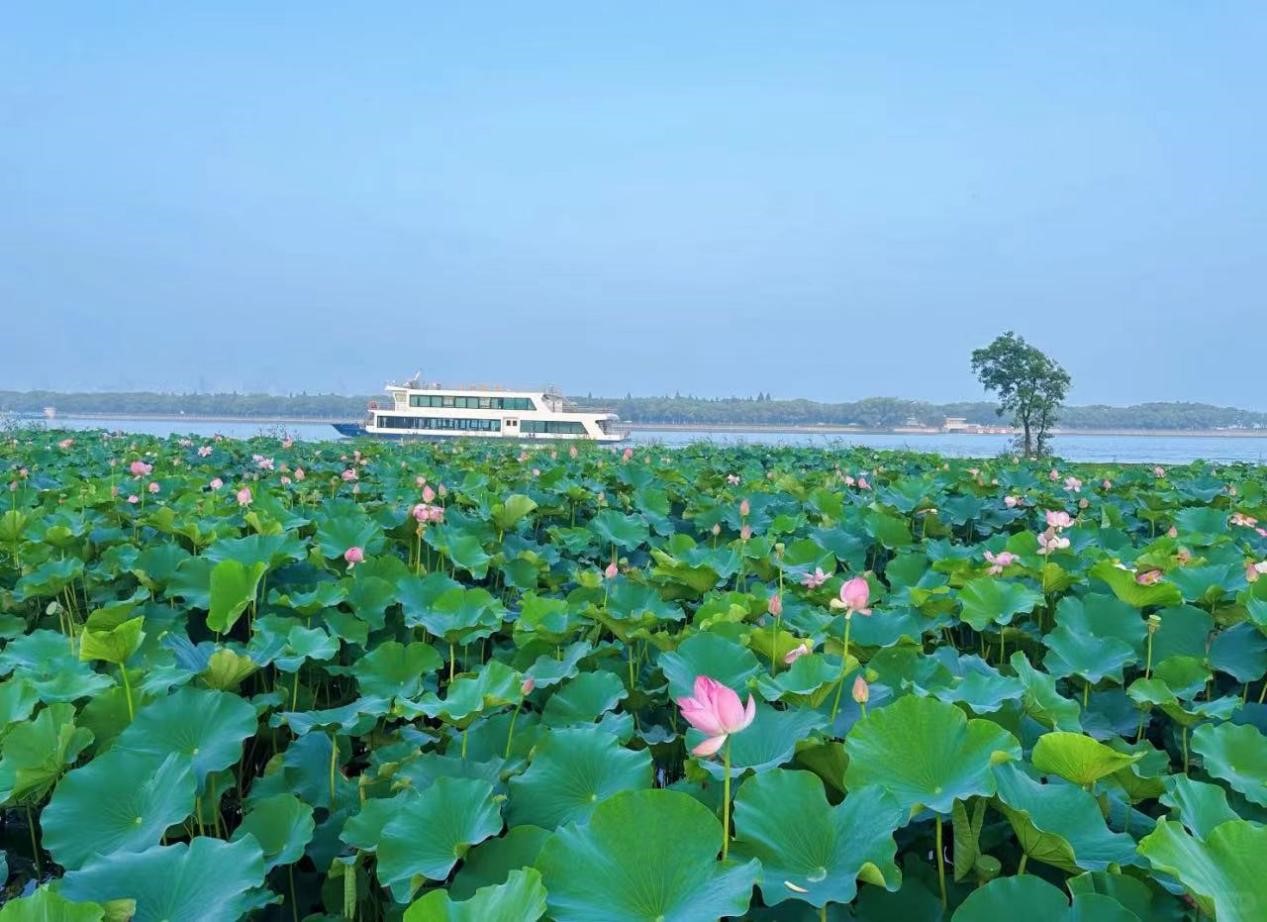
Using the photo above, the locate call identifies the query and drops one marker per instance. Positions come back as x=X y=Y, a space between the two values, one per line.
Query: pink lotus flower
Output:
x=572 y=452
x=299 y=473
x=626 y=455
x=1159 y=471
x=140 y=468
x=134 y=499
x=1058 y=520
x=815 y=579
x=1053 y=475
x=204 y=451
x=797 y=652
x=861 y=692
x=745 y=508
x=65 y=443
x=244 y=496
x=732 y=479
x=745 y=533
x=353 y=556
x=264 y=464
x=611 y=571
x=1049 y=542
x=1148 y=577
x=428 y=494
x=1172 y=532
x=1011 y=501
x=349 y=475
x=288 y=442
x=527 y=685
x=1073 y=484
x=854 y=595
x=153 y=487
x=1107 y=484
x=863 y=484
x=1246 y=521
x=775 y=605
x=716 y=712
x=216 y=483
x=848 y=480
x=999 y=562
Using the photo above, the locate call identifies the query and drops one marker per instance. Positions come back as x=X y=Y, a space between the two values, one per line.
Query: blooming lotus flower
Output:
x=1049 y=542
x=815 y=579
x=1148 y=577
x=353 y=556
x=285 y=481
x=797 y=652
x=1058 y=520
x=140 y=468
x=349 y=475
x=1159 y=471
x=1107 y=484
x=848 y=480
x=153 y=487
x=863 y=484
x=216 y=483
x=732 y=479
x=264 y=464
x=1073 y=484
x=134 y=499
x=999 y=562
x=775 y=605
x=204 y=451
x=715 y=711
x=861 y=692
x=1011 y=501
x=244 y=496
x=65 y=443
x=299 y=473
x=854 y=595
x=611 y=571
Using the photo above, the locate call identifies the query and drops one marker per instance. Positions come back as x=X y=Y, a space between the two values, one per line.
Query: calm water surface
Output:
x=1109 y=448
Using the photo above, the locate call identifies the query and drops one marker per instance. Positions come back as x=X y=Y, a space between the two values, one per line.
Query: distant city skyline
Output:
x=824 y=200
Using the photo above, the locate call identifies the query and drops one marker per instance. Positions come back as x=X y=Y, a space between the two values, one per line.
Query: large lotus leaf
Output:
x=1073 y=648
x=1209 y=584
x=1184 y=631
x=549 y=669
x=270 y=550
x=206 y=726
x=355 y=717
x=205 y=881
x=1060 y=824
x=113 y=644
x=282 y=825
x=521 y=898
x=431 y=833
x=769 y=741
x=467 y=553
x=1035 y=900
x=37 y=752
x=47 y=905
x=1240 y=651
x=459 y=615
x=982 y=688
x=394 y=669
x=1104 y=616
x=120 y=801
x=571 y=772
x=926 y=752
x=46 y=660
x=1237 y=754
x=512 y=510
x=1042 y=700
x=1078 y=758
x=233 y=588
x=630 y=601
x=1223 y=871
x=625 y=531
x=1147 y=903
x=17 y=700
x=987 y=601
x=1201 y=525
x=808 y=678
x=1124 y=586
x=690 y=577
x=584 y=699
x=345 y=525
x=490 y=862
x=712 y=655
x=308 y=603
x=496 y=685
x=810 y=850
x=49 y=578
x=644 y=855
x=1202 y=807
x=226 y=668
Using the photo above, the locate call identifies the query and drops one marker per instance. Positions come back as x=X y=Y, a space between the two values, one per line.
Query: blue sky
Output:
x=831 y=200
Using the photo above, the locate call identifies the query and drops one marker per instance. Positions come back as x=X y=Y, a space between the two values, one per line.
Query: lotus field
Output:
x=289 y=681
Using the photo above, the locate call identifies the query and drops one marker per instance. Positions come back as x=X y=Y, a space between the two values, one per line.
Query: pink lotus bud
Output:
x=526 y=687
x=775 y=605
x=611 y=570
x=153 y=487
x=861 y=693
x=627 y=454
x=216 y=483
x=745 y=532
x=1173 y=532
x=353 y=556
x=744 y=508
x=572 y=452
x=349 y=475
x=134 y=499
x=244 y=496
x=797 y=652
x=854 y=595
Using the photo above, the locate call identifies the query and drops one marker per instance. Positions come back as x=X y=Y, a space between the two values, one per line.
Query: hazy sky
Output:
x=831 y=199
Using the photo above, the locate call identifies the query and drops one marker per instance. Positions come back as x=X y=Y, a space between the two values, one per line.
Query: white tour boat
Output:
x=431 y=411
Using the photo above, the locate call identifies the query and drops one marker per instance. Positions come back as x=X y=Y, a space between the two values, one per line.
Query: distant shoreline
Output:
x=789 y=429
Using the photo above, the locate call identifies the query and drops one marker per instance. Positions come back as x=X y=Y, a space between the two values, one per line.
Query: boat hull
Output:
x=358 y=431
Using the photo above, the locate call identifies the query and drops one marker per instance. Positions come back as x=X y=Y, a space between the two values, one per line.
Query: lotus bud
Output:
x=861 y=691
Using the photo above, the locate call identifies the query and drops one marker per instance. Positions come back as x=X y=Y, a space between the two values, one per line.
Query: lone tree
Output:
x=1029 y=385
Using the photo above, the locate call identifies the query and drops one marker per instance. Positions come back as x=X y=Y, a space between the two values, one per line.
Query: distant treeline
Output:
x=874 y=412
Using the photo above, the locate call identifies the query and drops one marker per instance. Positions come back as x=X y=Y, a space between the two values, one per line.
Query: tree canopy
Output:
x=1029 y=384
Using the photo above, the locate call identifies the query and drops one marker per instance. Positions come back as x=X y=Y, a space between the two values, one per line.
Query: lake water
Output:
x=1165 y=449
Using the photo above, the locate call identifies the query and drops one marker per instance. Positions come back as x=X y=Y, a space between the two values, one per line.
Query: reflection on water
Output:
x=1110 y=448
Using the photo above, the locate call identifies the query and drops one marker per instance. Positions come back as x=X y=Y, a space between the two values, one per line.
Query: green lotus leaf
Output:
x=47 y=905
x=1042 y=701
x=982 y=688
x=37 y=752
x=282 y=825
x=1148 y=904
x=521 y=898
x=47 y=661
x=111 y=643
x=343 y=525
x=1207 y=585
x=1036 y=900
x=458 y=615
x=1124 y=586
x=1236 y=754
x=691 y=577
x=467 y=553
x=1201 y=525
x=1202 y=807
x=226 y=668
x=1240 y=651
x=810 y=850
x=925 y=752
x=496 y=685
x=549 y=669
x=638 y=602
x=120 y=801
x=490 y=862
x=17 y=700
x=987 y=601
x=584 y=699
x=429 y=834
x=605 y=870
x=394 y=669
x=1078 y=758
x=1223 y=871
x=355 y=717
x=769 y=741
x=300 y=645
x=809 y=678
x=1074 y=649
x=511 y=511
x=628 y=532
x=233 y=587
x=206 y=726
x=1060 y=824
x=206 y=880
x=270 y=550
x=572 y=771
x=322 y=596
x=49 y=578
x=708 y=654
